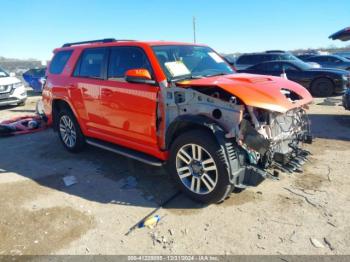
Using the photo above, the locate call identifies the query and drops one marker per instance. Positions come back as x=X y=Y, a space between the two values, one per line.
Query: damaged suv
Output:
x=179 y=105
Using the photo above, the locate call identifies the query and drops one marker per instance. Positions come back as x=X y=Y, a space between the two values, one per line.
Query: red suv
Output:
x=179 y=105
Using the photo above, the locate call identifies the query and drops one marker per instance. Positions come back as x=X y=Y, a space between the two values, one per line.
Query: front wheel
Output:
x=197 y=167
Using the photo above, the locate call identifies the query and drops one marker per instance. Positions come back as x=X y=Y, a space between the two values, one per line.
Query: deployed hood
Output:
x=265 y=92
x=8 y=80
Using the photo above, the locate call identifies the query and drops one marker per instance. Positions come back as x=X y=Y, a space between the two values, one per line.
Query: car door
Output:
x=129 y=108
x=87 y=80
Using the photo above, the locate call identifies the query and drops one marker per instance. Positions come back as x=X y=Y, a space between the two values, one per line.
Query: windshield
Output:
x=3 y=73
x=188 y=61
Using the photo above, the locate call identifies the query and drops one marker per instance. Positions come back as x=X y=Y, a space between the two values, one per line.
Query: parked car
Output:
x=343 y=54
x=12 y=90
x=331 y=61
x=304 y=57
x=179 y=105
x=319 y=81
x=248 y=60
x=34 y=78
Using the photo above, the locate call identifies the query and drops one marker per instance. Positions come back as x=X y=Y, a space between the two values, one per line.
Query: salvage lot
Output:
x=40 y=215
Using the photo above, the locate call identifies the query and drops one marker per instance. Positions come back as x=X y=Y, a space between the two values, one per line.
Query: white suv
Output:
x=12 y=90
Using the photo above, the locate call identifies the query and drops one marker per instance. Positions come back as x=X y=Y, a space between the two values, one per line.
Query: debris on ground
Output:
x=316 y=243
x=70 y=180
x=150 y=222
x=328 y=243
x=23 y=125
x=301 y=195
x=292 y=237
x=129 y=183
x=171 y=232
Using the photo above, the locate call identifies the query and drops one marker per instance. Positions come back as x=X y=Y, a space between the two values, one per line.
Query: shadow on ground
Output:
x=326 y=126
x=101 y=175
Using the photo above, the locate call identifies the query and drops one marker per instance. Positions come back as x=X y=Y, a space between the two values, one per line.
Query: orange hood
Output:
x=256 y=90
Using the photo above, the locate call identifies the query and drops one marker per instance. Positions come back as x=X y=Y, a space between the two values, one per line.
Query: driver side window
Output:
x=124 y=58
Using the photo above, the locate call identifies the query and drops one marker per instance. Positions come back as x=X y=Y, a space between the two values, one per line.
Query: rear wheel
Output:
x=322 y=87
x=69 y=131
x=197 y=167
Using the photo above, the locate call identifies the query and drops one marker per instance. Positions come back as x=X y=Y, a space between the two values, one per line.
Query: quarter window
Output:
x=59 y=62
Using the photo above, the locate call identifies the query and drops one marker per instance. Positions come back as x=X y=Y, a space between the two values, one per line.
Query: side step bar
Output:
x=138 y=156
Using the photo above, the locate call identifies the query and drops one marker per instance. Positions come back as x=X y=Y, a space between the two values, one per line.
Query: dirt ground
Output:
x=305 y=213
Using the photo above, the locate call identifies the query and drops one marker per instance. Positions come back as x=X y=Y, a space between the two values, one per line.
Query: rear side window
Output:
x=59 y=61
x=91 y=63
x=125 y=58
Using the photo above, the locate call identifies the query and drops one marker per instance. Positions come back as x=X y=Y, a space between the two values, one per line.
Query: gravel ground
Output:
x=305 y=213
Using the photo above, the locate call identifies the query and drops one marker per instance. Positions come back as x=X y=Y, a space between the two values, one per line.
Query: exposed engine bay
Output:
x=268 y=139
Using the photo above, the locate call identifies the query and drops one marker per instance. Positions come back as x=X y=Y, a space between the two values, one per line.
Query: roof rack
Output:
x=105 y=40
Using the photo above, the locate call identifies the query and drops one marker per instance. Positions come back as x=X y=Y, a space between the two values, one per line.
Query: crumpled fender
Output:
x=257 y=90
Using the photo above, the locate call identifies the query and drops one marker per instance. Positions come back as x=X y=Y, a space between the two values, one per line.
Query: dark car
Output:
x=343 y=54
x=319 y=81
x=248 y=60
x=33 y=78
x=304 y=57
x=331 y=61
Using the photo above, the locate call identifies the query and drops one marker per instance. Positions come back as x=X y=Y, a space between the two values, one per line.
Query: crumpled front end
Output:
x=274 y=139
x=263 y=118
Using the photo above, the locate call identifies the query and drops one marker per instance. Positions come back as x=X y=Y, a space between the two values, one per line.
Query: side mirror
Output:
x=140 y=75
x=12 y=74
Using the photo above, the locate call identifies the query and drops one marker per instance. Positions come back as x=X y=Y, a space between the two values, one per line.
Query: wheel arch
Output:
x=57 y=106
x=185 y=123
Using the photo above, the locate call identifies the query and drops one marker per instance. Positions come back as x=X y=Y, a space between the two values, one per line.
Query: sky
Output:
x=33 y=28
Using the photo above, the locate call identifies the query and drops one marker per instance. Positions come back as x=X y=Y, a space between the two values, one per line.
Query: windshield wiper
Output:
x=186 y=77
x=217 y=74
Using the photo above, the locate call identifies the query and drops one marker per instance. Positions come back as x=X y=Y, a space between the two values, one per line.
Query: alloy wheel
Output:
x=196 y=169
x=67 y=131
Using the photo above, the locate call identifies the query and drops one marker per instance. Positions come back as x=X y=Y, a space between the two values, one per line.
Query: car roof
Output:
x=112 y=42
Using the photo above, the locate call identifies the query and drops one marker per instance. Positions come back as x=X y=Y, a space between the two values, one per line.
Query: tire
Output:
x=69 y=131
x=322 y=87
x=201 y=176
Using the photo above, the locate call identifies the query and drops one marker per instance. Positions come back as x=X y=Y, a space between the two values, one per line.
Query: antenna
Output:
x=194 y=30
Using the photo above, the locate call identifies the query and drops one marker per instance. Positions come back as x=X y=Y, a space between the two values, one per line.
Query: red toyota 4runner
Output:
x=179 y=105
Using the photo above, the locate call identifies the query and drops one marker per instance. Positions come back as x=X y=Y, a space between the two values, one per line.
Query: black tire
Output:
x=322 y=87
x=79 y=141
x=206 y=141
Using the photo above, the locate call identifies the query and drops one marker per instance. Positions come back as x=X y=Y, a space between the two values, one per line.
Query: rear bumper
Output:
x=15 y=96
